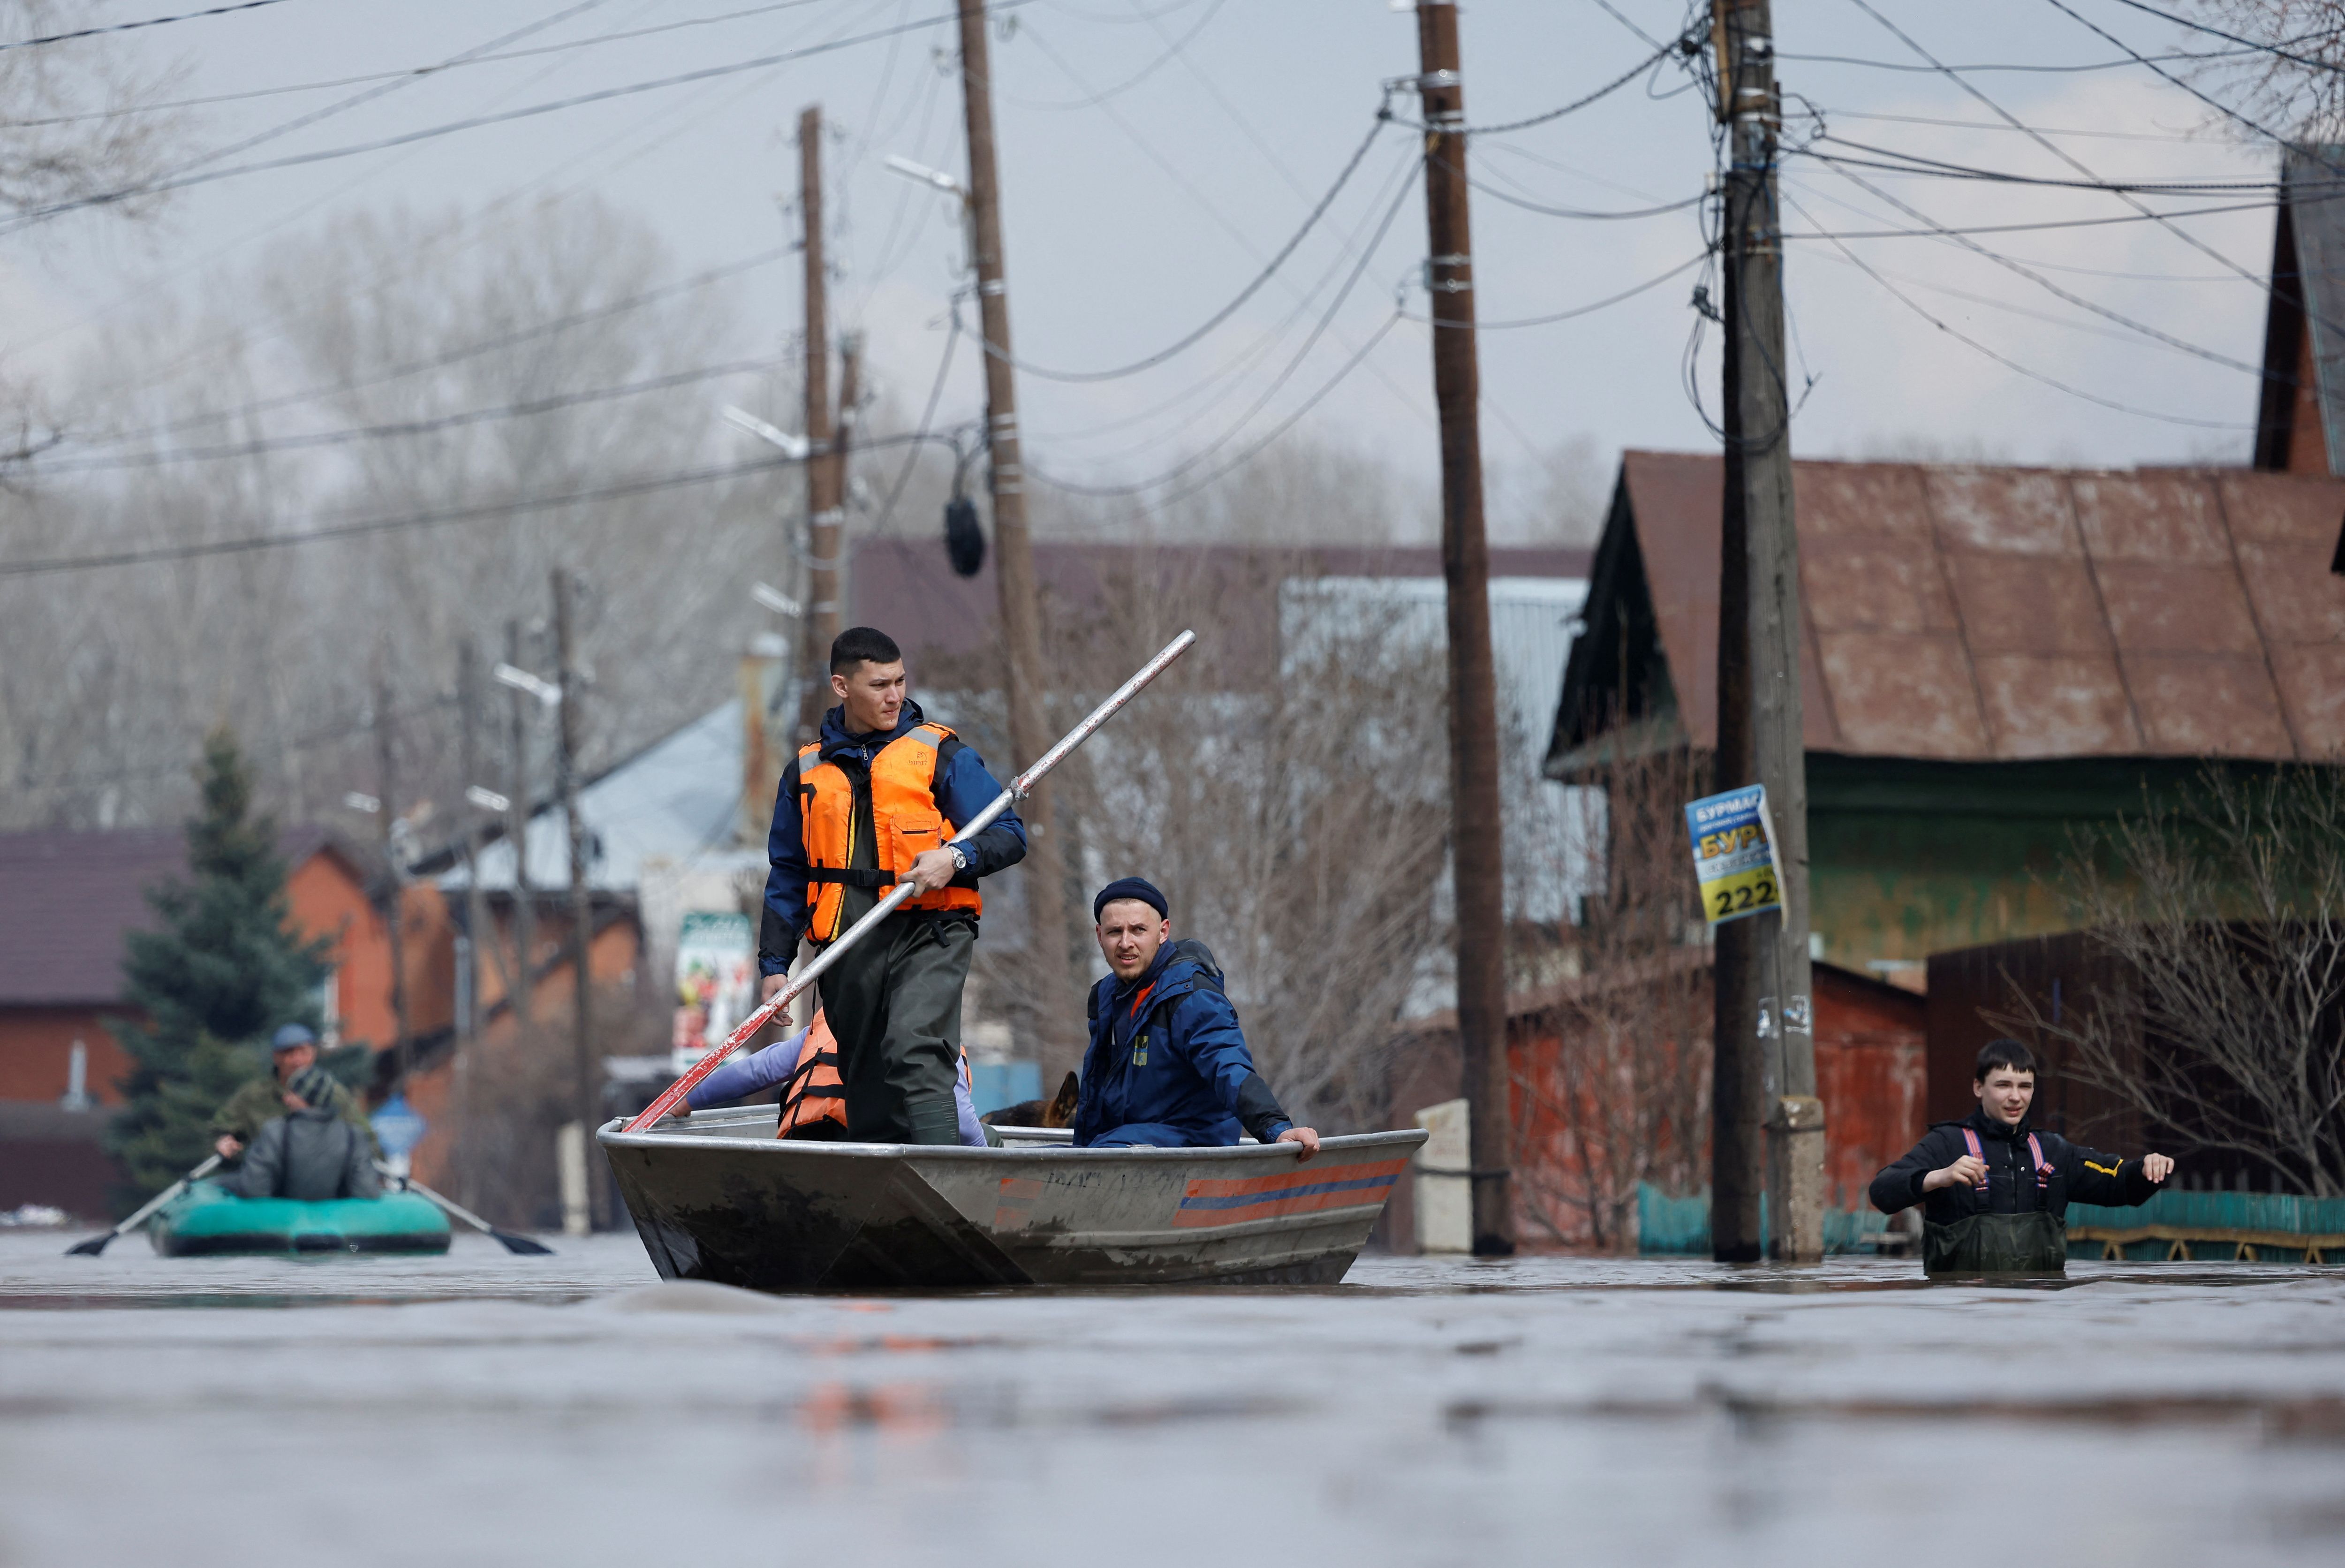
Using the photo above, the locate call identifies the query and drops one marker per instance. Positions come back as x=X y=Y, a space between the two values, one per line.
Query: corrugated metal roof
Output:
x=1976 y=614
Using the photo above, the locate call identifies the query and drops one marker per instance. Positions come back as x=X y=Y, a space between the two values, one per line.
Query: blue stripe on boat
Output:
x=1280 y=1194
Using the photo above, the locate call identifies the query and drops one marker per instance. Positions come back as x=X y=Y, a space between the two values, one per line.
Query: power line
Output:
x=453 y=356
x=1901 y=66
x=529 y=409
x=1253 y=287
x=1606 y=91
x=409 y=72
x=1993 y=126
x=1325 y=320
x=2054 y=289
x=2003 y=360
x=1588 y=309
x=1915 y=164
x=1940 y=230
x=2185 y=236
x=134 y=27
x=296 y=160
x=2251 y=44
x=1158 y=64
x=1571 y=212
x=618 y=491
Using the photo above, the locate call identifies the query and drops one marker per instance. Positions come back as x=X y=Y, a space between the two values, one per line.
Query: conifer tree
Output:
x=221 y=973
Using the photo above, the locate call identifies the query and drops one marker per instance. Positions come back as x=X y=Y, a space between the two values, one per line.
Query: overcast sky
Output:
x=1154 y=153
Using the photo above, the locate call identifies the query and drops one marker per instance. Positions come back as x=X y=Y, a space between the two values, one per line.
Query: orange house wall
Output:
x=36 y=1053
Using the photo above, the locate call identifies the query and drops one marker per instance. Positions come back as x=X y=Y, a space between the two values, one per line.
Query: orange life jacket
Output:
x=814 y=1092
x=904 y=815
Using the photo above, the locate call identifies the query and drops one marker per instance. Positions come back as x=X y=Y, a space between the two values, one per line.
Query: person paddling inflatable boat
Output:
x=1994 y=1191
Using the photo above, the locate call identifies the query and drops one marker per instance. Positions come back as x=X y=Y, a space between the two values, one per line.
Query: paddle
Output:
x=520 y=1246
x=1019 y=787
x=96 y=1244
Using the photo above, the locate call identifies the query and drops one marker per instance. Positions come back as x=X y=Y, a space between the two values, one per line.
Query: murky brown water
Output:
x=481 y=1408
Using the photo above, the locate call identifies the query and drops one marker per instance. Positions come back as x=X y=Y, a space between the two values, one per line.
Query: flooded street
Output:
x=481 y=1408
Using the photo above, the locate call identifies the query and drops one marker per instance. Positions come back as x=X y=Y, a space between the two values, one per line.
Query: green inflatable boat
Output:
x=208 y=1220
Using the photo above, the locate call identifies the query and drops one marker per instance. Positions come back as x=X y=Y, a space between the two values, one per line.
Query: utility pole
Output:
x=1782 y=1031
x=476 y=913
x=581 y=909
x=387 y=781
x=1055 y=981
x=1737 y=1088
x=1475 y=846
x=824 y=476
x=517 y=834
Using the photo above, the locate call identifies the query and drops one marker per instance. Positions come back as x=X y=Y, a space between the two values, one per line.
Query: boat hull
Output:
x=209 y=1221
x=727 y=1201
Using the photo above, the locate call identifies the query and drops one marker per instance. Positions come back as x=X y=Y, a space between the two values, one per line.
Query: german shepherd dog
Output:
x=1059 y=1111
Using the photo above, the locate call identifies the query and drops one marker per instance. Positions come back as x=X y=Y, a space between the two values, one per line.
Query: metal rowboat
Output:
x=718 y=1197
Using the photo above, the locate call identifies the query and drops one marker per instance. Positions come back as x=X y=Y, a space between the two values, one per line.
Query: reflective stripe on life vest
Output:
x=905 y=821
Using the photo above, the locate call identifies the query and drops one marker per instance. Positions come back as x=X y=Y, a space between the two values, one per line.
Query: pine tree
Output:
x=212 y=986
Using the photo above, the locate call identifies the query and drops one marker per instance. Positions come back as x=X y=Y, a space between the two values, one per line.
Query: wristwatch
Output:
x=961 y=860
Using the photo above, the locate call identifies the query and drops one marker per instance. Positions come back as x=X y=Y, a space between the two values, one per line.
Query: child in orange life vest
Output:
x=779 y=1064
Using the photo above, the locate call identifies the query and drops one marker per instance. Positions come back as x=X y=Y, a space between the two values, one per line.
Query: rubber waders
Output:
x=2032 y=1243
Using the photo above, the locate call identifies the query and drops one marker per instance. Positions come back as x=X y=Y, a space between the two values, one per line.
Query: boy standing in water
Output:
x=1995 y=1192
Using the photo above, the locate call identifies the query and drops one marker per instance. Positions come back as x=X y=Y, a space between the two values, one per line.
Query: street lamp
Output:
x=547 y=694
x=774 y=599
x=797 y=448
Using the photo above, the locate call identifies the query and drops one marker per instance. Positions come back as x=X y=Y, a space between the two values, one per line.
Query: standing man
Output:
x=870 y=804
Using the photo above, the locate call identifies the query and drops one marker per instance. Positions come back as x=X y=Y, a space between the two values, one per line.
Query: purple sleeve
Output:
x=972 y=1131
x=738 y=1080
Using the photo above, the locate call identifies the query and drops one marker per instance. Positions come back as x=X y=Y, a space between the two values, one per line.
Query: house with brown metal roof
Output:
x=1990 y=657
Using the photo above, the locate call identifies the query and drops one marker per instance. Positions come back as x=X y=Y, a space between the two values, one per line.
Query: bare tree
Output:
x=2222 y=918
x=390 y=366
x=1280 y=791
x=2296 y=84
x=78 y=126
x=1617 y=1094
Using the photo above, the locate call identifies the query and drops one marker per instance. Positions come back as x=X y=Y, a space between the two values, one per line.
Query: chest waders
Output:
x=2034 y=1241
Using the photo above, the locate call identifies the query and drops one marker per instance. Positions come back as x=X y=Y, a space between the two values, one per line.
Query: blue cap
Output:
x=1139 y=888
x=290 y=1035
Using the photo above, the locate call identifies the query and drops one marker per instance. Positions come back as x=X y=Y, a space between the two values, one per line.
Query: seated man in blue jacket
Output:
x=1168 y=1066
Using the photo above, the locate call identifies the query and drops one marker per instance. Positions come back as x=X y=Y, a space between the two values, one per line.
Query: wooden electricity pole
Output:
x=582 y=903
x=1738 y=1089
x=1782 y=1031
x=387 y=813
x=476 y=912
x=819 y=623
x=1055 y=981
x=518 y=796
x=1477 y=850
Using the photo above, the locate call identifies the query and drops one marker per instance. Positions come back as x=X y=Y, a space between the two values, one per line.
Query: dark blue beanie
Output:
x=1139 y=888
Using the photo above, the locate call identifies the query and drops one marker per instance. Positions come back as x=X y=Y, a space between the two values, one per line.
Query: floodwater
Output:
x=481 y=1408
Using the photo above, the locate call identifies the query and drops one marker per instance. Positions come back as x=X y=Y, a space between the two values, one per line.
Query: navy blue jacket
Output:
x=1168 y=1065
x=963 y=789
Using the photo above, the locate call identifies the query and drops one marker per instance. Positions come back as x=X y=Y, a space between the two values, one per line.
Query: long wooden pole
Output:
x=1023 y=678
x=589 y=1082
x=1477 y=838
x=824 y=472
x=1761 y=391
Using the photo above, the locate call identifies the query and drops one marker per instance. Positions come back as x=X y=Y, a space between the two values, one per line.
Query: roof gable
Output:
x=1996 y=613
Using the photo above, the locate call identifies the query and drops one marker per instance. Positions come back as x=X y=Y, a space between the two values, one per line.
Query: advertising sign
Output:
x=716 y=983
x=1733 y=854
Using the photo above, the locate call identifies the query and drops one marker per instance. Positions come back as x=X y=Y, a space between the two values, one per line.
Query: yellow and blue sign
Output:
x=1733 y=854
